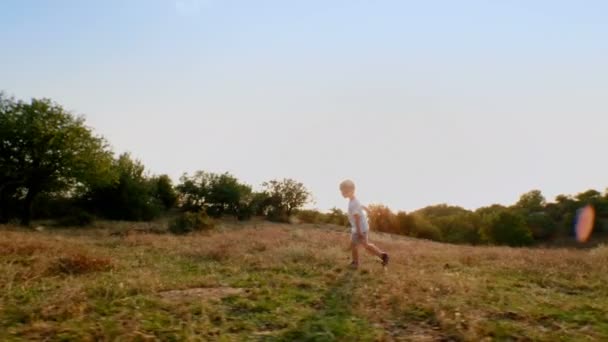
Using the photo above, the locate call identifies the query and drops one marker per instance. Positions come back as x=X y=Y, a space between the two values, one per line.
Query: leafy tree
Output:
x=260 y=203
x=459 y=228
x=44 y=148
x=132 y=197
x=217 y=194
x=164 y=191
x=531 y=202
x=541 y=225
x=286 y=196
x=406 y=224
x=506 y=228
x=382 y=219
x=490 y=210
x=440 y=210
x=227 y=195
x=194 y=190
x=423 y=229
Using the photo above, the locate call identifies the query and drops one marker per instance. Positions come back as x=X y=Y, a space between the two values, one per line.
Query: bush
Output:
x=189 y=222
x=337 y=217
x=277 y=215
x=77 y=218
x=310 y=216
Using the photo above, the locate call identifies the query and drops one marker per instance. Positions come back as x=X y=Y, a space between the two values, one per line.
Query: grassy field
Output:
x=270 y=282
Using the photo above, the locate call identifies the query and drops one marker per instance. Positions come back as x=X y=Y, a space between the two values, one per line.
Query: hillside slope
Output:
x=284 y=283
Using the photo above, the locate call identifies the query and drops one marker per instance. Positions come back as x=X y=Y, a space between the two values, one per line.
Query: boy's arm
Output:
x=358 y=223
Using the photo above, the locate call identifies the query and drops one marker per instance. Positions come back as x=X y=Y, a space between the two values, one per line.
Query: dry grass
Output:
x=274 y=282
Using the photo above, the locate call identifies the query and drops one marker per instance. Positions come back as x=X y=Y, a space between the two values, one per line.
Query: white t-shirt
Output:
x=355 y=207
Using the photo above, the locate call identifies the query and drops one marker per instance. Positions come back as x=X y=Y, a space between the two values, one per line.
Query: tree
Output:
x=506 y=228
x=44 y=148
x=490 y=210
x=164 y=191
x=423 y=229
x=217 y=194
x=459 y=228
x=541 y=225
x=405 y=223
x=531 y=202
x=382 y=219
x=286 y=196
x=194 y=190
x=227 y=195
x=440 y=210
x=133 y=196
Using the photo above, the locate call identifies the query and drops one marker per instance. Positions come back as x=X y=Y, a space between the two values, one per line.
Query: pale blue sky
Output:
x=420 y=102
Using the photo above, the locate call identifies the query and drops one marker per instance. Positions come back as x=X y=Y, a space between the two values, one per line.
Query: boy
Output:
x=359 y=226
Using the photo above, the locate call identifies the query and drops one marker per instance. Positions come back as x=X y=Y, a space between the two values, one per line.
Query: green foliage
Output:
x=337 y=217
x=217 y=194
x=531 y=202
x=227 y=195
x=382 y=219
x=285 y=197
x=164 y=191
x=310 y=216
x=132 y=197
x=490 y=210
x=506 y=228
x=440 y=210
x=454 y=224
x=541 y=225
x=405 y=223
x=260 y=203
x=189 y=222
x=462 y=228
x=334 y=216
x=423 y=229
x=44 y=148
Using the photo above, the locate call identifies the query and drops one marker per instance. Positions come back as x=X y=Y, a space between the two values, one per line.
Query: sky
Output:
x=466 y=102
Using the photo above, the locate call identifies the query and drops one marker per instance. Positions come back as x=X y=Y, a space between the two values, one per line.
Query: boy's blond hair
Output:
x=347 y=185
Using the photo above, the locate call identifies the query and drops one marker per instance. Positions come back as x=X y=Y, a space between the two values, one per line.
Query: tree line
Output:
x=531 y=220
x=53 y=166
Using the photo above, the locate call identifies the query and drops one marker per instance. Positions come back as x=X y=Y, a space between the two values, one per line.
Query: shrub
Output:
x=310 y=216
x=189 y=222
x=79 y=263
x=77 y=218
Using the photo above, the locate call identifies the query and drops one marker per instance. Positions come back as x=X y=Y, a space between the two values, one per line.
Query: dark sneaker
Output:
x=353 y=265
x=384 y=258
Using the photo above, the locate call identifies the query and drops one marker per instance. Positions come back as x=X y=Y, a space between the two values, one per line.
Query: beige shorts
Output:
x=354 y=238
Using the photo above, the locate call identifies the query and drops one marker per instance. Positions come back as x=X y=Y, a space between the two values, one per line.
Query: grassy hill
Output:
x=273 y=282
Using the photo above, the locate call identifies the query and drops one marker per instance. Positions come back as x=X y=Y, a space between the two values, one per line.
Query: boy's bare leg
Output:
x=371 y=248
x=355 y=252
